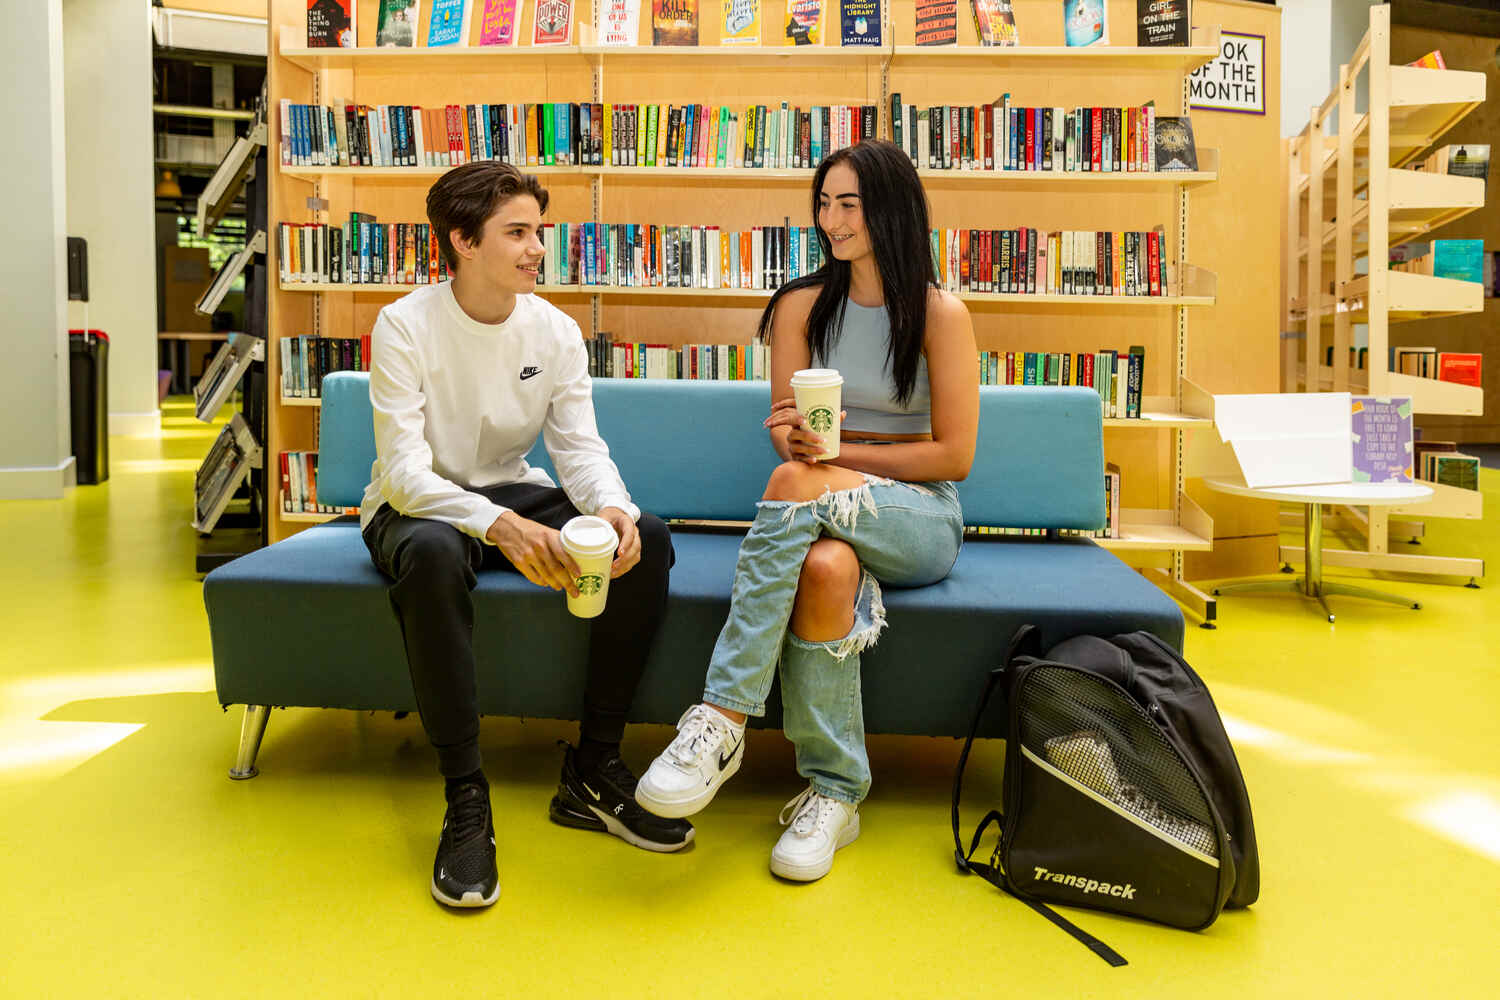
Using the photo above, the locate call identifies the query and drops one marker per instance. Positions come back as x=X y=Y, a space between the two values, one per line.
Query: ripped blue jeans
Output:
x=905 y=535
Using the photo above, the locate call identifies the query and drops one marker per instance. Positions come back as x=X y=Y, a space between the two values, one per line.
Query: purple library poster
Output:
x=1382 y=439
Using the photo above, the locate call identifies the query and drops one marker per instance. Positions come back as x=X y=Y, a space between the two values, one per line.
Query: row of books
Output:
x=588 y=254
x=1001 y=136
x=1116 y=375
x=1461 y=260
x=299 y=486
x=593 y=254
x=569 y=134
x=1446 y=366
x=723 y=136
x=1442 y=462
x=701 y=362
x=306 y=358
x=675 y=22
x=1069 y=262
x=359 y=252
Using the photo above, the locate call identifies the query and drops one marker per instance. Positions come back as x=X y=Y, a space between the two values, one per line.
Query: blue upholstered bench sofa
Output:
x=694 y=451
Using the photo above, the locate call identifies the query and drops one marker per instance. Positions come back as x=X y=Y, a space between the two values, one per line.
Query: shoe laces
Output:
x=808 y=812
x=468 y=814
x=698 y=733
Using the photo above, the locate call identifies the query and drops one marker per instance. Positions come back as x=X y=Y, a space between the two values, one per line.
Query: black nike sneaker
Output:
x=603 y=798
x=464 y=872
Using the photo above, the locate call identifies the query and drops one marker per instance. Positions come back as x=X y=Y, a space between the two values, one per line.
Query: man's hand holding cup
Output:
x=535 y=550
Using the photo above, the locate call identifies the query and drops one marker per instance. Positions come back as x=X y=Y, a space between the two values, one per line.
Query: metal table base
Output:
x=1311 y=585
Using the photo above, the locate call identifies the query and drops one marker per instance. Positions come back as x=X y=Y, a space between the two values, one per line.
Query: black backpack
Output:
x=1121 y=790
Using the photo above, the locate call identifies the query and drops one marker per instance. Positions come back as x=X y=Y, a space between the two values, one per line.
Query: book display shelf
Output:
x=1351 y=194
x=1159 y=521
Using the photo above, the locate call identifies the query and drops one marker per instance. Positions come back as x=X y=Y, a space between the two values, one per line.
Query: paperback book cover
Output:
x=859 y=22
x=1461 y=260
x=937 y=22
x=1432 y=60
x=620 y=22
x=741 y=23
x=995 y=22
x=397 y=24
x=1161 y=22
x=804 y=22
x=1175 y=149
x=1465 y=369
x=1471 y=160
x=554 y=22
x=497 y=23
x=1455 y=469
x=1085 y=22
x=674 y=22
x=449 y=24
x=330 y=24
x=1382 y=439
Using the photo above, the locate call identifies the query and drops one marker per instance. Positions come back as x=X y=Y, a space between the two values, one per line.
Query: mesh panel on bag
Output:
x=1101 y=739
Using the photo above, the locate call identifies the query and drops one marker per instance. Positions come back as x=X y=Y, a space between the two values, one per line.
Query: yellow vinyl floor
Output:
x=131 y=866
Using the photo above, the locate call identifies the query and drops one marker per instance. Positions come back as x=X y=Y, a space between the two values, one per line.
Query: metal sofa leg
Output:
x=252 y=729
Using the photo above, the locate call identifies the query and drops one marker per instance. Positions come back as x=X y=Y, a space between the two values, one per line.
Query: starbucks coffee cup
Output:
x=591 y=541
x=818 y=392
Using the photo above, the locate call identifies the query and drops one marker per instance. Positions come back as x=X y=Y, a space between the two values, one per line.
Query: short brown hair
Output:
x=465 y=197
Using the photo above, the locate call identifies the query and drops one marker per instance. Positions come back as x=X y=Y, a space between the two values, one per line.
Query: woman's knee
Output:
x=799 y=481
x=829 y=582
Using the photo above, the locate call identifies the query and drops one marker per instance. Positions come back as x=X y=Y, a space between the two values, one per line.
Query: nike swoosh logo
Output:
x=725 y=758
x=586 y=788
x=530 y=372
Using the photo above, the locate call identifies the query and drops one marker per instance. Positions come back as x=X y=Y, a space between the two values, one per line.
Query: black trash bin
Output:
x=88 y=390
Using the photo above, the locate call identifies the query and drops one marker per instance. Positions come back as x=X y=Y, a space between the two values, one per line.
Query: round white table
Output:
x=1313 y=498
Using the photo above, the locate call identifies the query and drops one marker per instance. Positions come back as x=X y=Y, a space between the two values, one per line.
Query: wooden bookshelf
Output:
x=1349 y=197
x=1163 y=522
x=979 y=298
x=1207 y=158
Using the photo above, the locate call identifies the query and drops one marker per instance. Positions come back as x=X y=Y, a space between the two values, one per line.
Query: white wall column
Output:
x=1306 y=40
x=110 y=186
x=35 y=450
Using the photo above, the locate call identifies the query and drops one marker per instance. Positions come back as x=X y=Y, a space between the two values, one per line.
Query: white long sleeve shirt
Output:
x=459 y=403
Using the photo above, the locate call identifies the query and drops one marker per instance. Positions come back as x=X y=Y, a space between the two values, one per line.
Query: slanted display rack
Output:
x=1351 y=194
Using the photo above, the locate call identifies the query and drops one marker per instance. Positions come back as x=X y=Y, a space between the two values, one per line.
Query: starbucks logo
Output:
x=820 y=419
x=590 y=584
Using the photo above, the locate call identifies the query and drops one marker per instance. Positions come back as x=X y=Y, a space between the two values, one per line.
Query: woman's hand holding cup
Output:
x=802 y=444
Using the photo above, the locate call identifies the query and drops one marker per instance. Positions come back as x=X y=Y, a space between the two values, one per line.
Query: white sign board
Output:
x=1294 y=439
x=1236 y=80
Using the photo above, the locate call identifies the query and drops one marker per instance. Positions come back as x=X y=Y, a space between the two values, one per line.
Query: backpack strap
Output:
x=1083 y=937
x=1026 y=636
x=996 y=676
x=1027 y=641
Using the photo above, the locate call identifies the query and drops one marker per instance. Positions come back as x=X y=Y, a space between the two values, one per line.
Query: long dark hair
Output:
x=895 y=213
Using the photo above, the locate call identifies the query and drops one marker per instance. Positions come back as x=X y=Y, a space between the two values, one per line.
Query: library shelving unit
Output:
x=1159 y=521
x=1351 y=194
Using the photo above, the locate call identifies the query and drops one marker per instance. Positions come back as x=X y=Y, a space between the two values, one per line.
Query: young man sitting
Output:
x=464 y=375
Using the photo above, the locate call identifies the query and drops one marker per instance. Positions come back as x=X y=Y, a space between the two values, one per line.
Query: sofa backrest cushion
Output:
x=691 y=449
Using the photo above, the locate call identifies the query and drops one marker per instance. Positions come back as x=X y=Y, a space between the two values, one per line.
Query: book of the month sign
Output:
x=1235 y=80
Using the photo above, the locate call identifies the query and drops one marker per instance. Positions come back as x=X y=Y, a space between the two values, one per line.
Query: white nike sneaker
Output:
x=819 y=826
x=707 y=751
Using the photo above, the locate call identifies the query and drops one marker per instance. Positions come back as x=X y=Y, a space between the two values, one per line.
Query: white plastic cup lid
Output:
x=817 y=378
x=590 y=535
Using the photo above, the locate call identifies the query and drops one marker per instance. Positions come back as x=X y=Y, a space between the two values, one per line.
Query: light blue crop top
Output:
x=859 y=355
